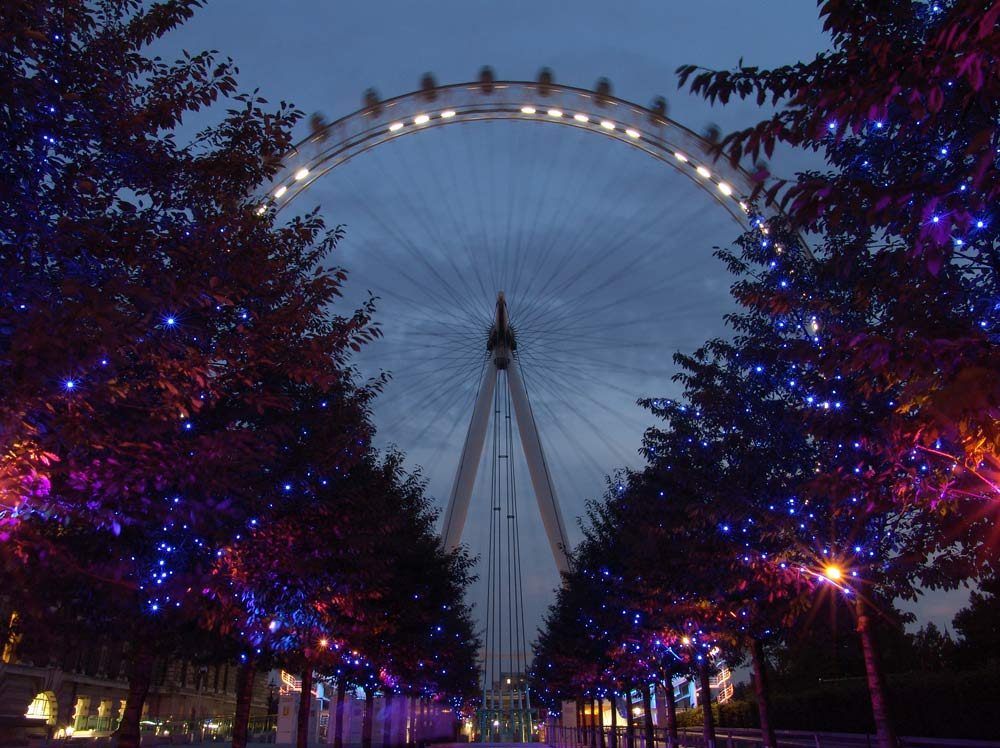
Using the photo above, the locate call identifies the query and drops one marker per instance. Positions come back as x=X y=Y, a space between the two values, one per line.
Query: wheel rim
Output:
x=563 y=366
x=600 y=114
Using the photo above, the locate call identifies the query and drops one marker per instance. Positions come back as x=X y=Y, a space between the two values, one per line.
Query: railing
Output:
x=259 y=730
x=289 y=682
x=732 y=737
x=95 y=723
x=721 y=678
x=181 y=732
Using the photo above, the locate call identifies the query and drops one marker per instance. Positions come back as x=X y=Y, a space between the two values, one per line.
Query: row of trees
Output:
x=842 y=448
x=940 y=684
x=186 y=447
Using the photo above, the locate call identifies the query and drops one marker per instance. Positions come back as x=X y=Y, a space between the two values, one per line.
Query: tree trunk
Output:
x=708 y=731
x=414 y=720
x=671 y=704
x=431 y=727
x=600 y=723
x=760 y=687
x=647 y=708
x=369 y=719
x=629 y=720
x=593 y=723
x=244 y=695
x=614 y=720
x=338 y=727
x=387 y=719
x=139 y=679
x=305 y=706
x=884 y=731
x=421 y=720
x=401 y=720
x=414 y=715
x=428 y=720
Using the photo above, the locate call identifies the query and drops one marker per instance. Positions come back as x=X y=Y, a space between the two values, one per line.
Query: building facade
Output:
x=80 y=690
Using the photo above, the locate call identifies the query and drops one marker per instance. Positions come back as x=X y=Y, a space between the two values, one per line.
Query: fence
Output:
x=726 y=737
x=213 y=729
x=183 y=732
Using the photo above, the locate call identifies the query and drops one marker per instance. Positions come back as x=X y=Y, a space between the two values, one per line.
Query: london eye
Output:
x=538 y=253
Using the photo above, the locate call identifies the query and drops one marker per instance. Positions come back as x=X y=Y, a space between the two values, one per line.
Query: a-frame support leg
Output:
x=472 y=451
x=501 y=346
x=538 y=468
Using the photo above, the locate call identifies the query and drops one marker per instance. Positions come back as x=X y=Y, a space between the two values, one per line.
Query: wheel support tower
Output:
x=501 y=346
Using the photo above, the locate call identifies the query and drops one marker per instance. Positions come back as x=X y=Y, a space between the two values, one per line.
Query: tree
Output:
x=933 y=649
x=420 y=640
x=903 y=112
x=759 y=483
x=850 y=505
x=976 y=625
x=341 y=571
x=153 y=319
x=298 y=578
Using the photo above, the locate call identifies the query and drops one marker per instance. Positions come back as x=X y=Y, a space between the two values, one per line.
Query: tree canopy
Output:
x=183 y=434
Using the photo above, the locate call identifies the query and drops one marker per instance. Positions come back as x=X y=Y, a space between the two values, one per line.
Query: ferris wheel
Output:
x=539 y=255
x=580 y=225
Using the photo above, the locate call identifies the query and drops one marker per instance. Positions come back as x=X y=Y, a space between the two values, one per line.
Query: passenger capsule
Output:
x=372 y=102
x=545 y=81
x=603 y=91
x=428 y=87
x=317 y=127
x=486 y=79
x=659 y=109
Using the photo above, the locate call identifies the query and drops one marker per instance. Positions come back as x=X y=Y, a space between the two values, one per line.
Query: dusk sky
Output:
x=491 y=207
